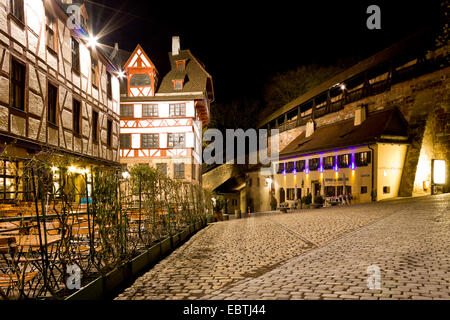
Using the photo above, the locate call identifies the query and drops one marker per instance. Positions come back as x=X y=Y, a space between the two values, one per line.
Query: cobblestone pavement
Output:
x=313 y=254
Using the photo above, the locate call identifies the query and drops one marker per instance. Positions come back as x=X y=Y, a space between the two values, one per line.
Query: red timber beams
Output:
x=141 y=74
x=155 y=123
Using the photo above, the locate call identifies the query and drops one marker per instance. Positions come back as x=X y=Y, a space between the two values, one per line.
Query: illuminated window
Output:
x=362 y=159
x=177 y=110
x=329 y=162
x=289 y=167
x=150 y=110
x=344 y=160
x=150 y=140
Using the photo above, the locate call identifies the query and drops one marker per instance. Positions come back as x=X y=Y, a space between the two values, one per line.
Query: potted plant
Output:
x=306 y=200
x=318 y=202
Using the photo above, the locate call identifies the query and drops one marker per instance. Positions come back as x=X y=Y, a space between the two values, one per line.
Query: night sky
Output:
x=243 y=45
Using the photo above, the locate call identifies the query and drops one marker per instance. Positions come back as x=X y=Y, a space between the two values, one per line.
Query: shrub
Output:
x=307 y=199
x=319 y=199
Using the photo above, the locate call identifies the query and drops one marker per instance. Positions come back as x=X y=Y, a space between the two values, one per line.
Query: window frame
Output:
x=153 y=114
x=340 y=162
x=51 y=27
x=109 y=85
x=164 y=165
x=109 y=133
x=128 y=135
x=94 y=71
x=313 y=164
x=52 y=117
x=75 y=51
x=327 y=166
x=298 y=167
x=173 y=145
x=18 y=14
x=77 y=118
x=176 y=83
x=153 y=145
x=95 y=128
x=182 y=63
x=131 y=106
x=21 y=84
x=176 y=171
x=176 y=108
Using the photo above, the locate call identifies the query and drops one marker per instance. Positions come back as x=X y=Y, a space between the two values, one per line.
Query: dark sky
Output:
x=243 y=43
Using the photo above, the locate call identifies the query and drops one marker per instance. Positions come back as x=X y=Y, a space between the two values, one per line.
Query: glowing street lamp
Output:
x=92 y=41
x=121 y=74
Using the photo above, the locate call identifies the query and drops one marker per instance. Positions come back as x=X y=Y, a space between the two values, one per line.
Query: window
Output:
x=177 y=84
x=125 y=141
x=94 y=71
x=52 y=104
x=13 y=181
x=150 y=110
x=290 y=194
x=363 y=189
x=362 y=159
x=162 y=168
x=150 y=140
x=75 y=55
x=76 y=117
x=194 y=172
x=175 y=140
x=95 y=126
x=176 y=110
x=330 y=191
x=300 y=165
x=314 y=164
x=343 y=160
x=178 y=170
x=329 y=162
x=289 y=167
x=140 y=80
x=280 y=168
x=386 y=189
x=108 y=85
x=109 y=134
x=181 y=65
x=51 y=32
x=127 y=111
x=18 y=85
x=16 y=7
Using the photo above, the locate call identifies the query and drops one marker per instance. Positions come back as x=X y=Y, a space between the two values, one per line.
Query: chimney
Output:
x=309 y=128
x=175 y=45
x=360 y=114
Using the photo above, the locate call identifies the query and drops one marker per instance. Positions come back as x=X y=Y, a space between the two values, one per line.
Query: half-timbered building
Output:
x=56 y=91
x=161 y=121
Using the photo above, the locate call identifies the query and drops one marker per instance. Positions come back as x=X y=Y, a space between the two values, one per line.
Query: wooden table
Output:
x=32 y=241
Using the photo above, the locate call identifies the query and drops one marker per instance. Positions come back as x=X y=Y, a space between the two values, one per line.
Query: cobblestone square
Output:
x=312 y=254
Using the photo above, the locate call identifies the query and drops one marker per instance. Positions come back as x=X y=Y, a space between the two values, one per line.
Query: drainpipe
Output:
x=373 y=166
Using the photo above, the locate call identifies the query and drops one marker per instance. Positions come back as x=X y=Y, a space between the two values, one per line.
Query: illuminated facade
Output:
x=363 y=157
x=161 y=122
x=56 y=92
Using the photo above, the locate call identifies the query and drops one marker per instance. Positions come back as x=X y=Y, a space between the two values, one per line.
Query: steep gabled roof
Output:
x=195 y=76
x=139 y=54
x=379 y=126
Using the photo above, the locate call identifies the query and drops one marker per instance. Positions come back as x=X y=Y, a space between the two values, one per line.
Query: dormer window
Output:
x=181 y=65
x=178 y=84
